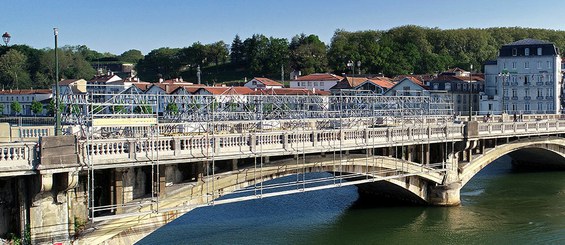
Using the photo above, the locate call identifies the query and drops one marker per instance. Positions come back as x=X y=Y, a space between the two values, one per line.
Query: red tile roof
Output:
x=268 y=82
x=227 y=90
x=382 y=82
x=288 y=91
x=26 y=91
x=320 y=77
x=349 y=82
x=67 y=82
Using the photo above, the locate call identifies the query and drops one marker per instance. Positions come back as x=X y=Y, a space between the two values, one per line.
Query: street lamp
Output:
x=359 y=67
x=351 y=64
x=470 y=94
x=504 y=75
x=57 y=102
x=6 y=37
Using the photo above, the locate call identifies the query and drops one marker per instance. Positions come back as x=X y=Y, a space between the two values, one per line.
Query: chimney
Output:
x=161 y=80
x=166 y=88
x=181 y=80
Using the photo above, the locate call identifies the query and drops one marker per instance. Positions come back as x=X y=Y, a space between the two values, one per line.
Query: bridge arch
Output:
x=536 y=152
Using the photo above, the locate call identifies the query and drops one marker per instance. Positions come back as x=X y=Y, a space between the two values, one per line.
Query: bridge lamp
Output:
x=504 y=75
x=6 y=37
x=471 y=94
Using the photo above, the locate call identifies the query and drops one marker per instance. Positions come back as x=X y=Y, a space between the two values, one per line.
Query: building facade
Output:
x=525 y=79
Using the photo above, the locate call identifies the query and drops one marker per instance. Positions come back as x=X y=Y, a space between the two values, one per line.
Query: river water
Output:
x=499 y=206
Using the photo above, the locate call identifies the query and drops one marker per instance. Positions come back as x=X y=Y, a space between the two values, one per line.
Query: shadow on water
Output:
x=499 y=206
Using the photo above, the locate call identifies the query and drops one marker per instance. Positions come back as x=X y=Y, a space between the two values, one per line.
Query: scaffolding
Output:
x=165 y=115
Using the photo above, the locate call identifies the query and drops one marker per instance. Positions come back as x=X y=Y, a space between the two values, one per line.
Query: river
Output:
x=499 y=206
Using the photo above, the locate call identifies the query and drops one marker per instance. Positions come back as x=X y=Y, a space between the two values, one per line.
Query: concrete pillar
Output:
x=234 y=164
x=49 y=215
x=445 y=195
x=162 y=178
x=426 y=154
x=119 y=190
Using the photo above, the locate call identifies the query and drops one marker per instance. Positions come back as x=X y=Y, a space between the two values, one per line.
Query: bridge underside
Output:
x=537 y=159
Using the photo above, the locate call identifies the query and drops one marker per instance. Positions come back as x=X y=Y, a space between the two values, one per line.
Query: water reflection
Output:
x=499 y=206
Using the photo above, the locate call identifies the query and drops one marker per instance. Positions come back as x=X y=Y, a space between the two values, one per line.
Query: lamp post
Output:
x=6 y=37
x=57 y=102
x=470 y=94
x=504 y=75
x=351 y=64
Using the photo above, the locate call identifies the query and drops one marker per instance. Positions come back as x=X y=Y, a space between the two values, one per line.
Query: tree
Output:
x=236 y=51
x=131 y=56
x=159 y=63
x=13 y=65
x=308 y=54
x=36 y=107
x=51 y=107
x=1 y=109
x=143 y=109
x=172 y=108
x=217 y=52
x=16 y=107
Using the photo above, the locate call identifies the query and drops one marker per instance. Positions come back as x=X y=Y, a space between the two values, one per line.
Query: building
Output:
x=525 y=78
x=460 y=85
x=262 y=83
x=25 y=97
x=318 y=81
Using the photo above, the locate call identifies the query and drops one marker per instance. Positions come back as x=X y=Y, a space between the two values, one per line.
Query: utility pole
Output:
x=57 y=102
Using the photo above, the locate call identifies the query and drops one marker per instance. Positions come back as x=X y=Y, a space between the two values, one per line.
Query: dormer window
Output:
x=539 y=51
x=514 y=52
x=527 y=51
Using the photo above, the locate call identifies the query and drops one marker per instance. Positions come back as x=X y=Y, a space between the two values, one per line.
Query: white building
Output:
x=525 y=78
x=24 y=97
x=262 y=83
x=318 y=81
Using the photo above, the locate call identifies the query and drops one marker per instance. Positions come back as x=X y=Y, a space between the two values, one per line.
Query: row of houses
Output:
x=525 y=78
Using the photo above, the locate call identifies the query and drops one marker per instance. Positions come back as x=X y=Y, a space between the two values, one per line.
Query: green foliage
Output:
x=16 y=107
x=36 y=107
x=131 y=56
x=51 y=107
x=118 y=109
x=1 y=109
x=143 y=109
x=75 y=110
x=236 y=51
x=13 y=70
x=172 y=108
x=308 y=54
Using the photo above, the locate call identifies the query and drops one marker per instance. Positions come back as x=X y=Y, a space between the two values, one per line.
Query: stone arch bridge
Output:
x=129 y=187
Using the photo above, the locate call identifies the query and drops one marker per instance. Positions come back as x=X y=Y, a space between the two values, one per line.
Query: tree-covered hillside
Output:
x=400 y=50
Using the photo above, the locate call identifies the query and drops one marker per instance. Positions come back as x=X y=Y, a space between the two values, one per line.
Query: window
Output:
x=539 y=51
x=514 y=65
x=527 y=92
x=526 y=80
x=527 y=106
x=514 y=93
x=504 y=65
x=514 y=52
x=539 y=64
x=527 y=65
x=316 y=84
x=436 y=86
x=540 y=92
x=548 y=64
x=447 y=86
x=540 y=106
x=527 y=51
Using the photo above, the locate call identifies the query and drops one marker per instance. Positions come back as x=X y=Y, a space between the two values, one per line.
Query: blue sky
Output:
x=118 y=25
